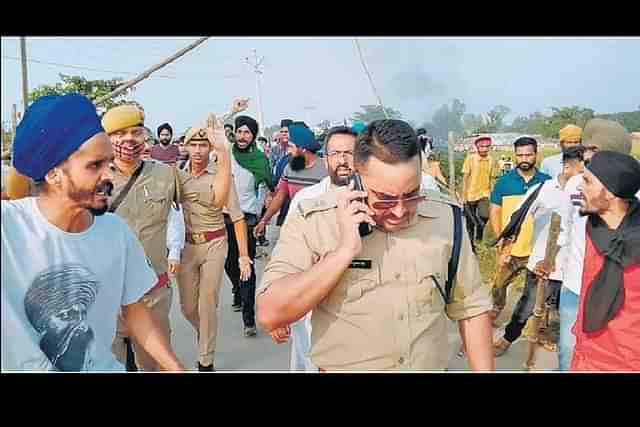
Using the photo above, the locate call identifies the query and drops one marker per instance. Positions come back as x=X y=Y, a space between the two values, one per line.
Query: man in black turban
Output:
x=606 y=333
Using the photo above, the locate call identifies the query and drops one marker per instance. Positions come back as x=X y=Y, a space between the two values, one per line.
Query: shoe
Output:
x=236 y=307
x=461 y=352
x=250 y=331
x=208 y=368
x=262 y=241
x=501 y=347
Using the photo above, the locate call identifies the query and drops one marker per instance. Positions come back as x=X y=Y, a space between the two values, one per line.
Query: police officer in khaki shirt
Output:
x=207 y=188
x=374 y=300
x=145 y=207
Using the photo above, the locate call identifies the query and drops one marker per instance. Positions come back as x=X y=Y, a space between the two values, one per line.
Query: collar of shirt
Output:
x=210 y=169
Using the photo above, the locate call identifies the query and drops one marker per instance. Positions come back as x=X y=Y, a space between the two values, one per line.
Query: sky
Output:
x=314 y=79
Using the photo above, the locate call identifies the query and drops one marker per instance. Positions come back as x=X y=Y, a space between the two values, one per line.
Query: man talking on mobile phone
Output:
x=379 y=302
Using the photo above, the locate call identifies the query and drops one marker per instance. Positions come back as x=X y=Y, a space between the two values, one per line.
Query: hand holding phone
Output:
x=364 y=228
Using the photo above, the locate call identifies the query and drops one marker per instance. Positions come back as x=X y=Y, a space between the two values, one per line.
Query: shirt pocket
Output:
x=354 y=285
x=204 y=198
x=430 y=283
x=155 y=200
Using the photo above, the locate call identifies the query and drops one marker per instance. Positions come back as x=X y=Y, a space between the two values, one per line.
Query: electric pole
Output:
x=257 y=64
x=25 y=84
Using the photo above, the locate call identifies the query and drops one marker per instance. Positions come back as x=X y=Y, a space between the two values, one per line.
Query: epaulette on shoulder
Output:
x=318 y=204
x=435 y=204
x=436 y=196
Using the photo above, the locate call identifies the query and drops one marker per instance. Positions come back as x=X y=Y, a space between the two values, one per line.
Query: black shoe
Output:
x=236 y=307
x=208 y=368
x=262 y=241
x=250 y=331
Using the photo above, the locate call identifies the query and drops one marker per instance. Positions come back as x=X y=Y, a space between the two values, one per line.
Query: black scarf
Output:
x=517 y=218
x=621 y=248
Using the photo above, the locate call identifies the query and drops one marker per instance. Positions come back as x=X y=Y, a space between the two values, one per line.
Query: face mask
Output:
x=128 y=152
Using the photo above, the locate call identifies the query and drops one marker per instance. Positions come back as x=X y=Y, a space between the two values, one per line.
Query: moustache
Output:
x=524 y=165
x=104 y=188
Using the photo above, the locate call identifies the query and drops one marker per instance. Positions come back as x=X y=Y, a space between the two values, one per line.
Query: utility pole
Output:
x=257 y=63
x=25 y=84
x=14 y=121
x=452 y=166
x=120 y=89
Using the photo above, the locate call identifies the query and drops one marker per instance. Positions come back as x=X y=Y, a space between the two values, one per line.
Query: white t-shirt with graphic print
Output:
x=62 y=292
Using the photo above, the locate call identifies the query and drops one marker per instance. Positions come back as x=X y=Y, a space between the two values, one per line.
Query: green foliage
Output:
x=549 y=126
x=374 y=112
x=495 y=118
x=446 y=119
x=6 y=134
x=630 y=120
x=472 y=123
x=93 y=89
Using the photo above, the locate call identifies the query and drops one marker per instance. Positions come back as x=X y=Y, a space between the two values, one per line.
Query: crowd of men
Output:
x=371 y=259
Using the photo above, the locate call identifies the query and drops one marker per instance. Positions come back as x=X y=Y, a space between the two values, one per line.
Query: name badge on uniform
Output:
x=361 y=263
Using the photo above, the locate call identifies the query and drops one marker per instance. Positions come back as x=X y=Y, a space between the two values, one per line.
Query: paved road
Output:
x=237 y=353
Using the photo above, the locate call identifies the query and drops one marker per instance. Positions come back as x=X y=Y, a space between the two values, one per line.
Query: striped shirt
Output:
x=294 y=181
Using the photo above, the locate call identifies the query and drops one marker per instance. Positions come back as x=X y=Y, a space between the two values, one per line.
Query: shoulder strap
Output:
x=116 y=203
x=455 y=252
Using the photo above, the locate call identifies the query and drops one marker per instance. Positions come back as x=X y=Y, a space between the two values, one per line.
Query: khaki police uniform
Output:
x=146 y=210
x=200 y=275
x=385 y=313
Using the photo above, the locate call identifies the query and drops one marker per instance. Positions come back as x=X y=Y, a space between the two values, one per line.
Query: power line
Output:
x=366 y=70
x=77 y=67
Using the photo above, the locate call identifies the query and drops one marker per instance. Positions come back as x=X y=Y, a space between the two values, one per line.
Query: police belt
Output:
x=207 y=236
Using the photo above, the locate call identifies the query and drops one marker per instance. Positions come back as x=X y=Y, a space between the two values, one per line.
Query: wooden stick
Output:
x=148 y=72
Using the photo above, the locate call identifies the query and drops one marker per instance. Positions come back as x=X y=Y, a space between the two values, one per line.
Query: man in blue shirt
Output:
x=505 y=197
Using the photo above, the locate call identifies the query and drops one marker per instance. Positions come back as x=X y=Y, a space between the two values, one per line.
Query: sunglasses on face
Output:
x=386 y=202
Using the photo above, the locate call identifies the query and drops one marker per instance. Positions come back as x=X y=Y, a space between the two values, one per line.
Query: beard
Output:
x=165 y=142
x=595 y=206
x=67 y=349
x=103 y=188
x=524 y=166
x=339 y=180
x=246 y=147
x=297 y=163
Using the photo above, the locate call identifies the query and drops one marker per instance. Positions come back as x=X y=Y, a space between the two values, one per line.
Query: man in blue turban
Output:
x=304 y=169
x=69 y=269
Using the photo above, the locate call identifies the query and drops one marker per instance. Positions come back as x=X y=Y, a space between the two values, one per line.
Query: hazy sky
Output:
x=413 y=75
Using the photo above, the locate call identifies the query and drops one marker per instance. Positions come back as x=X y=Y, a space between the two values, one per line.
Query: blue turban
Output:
x=358 y=127
x=53 y=128
x=302 y=136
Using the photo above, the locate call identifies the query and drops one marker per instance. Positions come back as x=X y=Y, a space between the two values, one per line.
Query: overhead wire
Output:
x=373 y=86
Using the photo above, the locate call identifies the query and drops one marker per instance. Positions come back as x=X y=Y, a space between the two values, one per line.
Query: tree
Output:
x=456 y=112
x=325 y=124
x=495 y=118
x=630 y=120
x=374 y=112
x=472 y=123
x=93 y=89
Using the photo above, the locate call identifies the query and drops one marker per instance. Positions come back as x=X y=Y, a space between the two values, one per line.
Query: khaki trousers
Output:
x=159 y=303
x=199 y=281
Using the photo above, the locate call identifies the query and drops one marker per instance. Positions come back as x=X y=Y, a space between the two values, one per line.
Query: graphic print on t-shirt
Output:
x=56 y=305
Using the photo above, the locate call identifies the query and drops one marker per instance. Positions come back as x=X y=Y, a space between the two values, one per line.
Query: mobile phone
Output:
x=364 y=228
